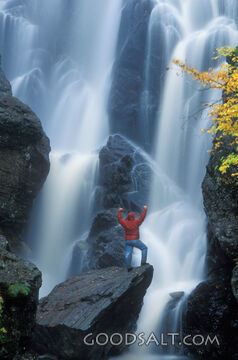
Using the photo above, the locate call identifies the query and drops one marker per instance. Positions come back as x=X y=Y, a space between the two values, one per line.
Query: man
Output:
x=132 y=235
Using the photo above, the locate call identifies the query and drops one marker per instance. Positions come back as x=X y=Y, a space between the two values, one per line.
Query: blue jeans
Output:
x=139 y=245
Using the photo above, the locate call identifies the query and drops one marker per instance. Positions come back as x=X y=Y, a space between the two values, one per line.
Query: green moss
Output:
x=18 y=289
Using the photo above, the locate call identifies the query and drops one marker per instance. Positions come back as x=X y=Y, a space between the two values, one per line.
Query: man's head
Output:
x=131 y=216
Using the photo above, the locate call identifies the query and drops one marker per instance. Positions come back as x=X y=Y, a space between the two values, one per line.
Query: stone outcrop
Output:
x=100 y=301
x=19 y=288
x=212 y=306
x=124 y=181
x=24 y=162
x=125 y=175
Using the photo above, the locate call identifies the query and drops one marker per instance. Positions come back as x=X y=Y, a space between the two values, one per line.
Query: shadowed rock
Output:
x=19 y=308
x=24 y=162
x=100 y=301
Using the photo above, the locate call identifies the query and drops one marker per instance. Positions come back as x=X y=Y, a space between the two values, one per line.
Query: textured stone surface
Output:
x=107 y=300
x=19 y=312
x=24 y=162
x=106 y=240
x=234 y=282
x=125 y=175
x=5 y=87
x=212 y=310
x=124 y=181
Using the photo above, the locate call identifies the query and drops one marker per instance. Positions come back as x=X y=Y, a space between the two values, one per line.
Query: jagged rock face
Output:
x=221 y=204
x=234 y=282
x=211 y=310
x=18 y=316
x=212 y=306
x=125 y=175
x=24 y=162
x=128 y=74
x=100 y=301
x=5 y=87
x=124 y=181
x=106 y=241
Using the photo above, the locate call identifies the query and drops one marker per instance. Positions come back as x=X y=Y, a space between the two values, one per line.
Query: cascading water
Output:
x=175 y=231
x=58 y=56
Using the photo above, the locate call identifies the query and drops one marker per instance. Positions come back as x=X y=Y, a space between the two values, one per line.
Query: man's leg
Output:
x=129 y=249
x=140 y=245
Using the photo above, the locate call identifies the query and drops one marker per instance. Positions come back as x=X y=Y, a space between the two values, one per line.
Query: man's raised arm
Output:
x=119 y=216
x=141 y=218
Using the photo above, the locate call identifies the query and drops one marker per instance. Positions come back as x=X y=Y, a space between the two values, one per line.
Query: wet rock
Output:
x=106 y=241
x=26 y=356
x=100 y=301
x=19 y=287
x=234 y=282
x=212 y=310
x=177 y=294
x=125 y=175
x=124 y=181
x=24 y=162
x=5 y=87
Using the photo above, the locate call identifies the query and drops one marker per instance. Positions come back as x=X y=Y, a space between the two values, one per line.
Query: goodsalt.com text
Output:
x=168 y=339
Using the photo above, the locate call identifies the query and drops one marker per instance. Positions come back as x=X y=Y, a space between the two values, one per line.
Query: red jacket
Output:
x=131 y=225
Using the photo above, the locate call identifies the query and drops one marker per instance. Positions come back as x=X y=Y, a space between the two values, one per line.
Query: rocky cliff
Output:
x=212 y=307
x=124 y=181
x=24 y=165
x=24 y=162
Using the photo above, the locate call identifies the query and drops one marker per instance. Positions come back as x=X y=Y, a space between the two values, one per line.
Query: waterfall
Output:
x=58 y=56
x=175 y=230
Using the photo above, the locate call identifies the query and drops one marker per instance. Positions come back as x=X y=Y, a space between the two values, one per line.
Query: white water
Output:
x=58 y=56
x=175 y=230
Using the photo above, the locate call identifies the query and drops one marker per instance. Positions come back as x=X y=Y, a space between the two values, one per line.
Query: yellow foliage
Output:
x=224 y=115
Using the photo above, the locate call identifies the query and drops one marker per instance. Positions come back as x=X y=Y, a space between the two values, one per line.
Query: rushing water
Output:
x=175 y=231
x=58 y=55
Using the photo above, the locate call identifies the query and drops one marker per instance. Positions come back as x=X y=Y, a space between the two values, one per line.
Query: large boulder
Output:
x=100 y=301
x=211 y=310
x=19 y=288
x=5 y=86
x=24 y=162
x=106 y=241
x=125 y=175
x=124 y=181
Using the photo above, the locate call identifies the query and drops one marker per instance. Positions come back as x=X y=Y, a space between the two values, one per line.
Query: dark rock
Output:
x=177 y=294
x=212 y=310
x=27 y=356
x=5 y=87
x=19 y=310
x=221 y=204
x=124 y=181
x=212 y=307
x=128 y=73
x=24 y=163
x=125 y=175
x=106 y=241
x=100 y=301
x=234 y=282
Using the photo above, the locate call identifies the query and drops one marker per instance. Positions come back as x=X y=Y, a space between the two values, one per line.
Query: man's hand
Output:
x=121 y=209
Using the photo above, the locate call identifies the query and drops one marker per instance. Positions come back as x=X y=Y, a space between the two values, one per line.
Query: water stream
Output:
x=58 y=56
